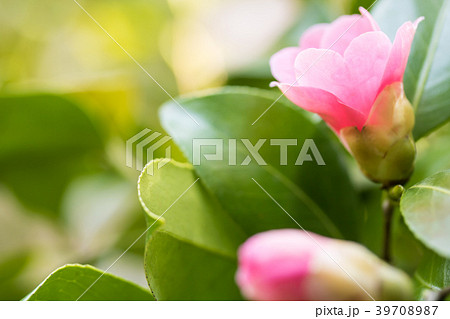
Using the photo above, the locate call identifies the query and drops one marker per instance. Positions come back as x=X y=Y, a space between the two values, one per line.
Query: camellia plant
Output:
x=356 y=86
x=370 y=220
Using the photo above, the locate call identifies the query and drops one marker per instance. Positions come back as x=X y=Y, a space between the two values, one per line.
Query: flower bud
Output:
x=292 y=264
x=384 y=147
x=395 y=193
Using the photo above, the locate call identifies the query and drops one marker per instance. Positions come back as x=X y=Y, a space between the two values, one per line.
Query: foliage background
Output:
x=70 y=98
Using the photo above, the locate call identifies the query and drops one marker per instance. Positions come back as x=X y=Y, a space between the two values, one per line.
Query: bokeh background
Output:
x=70 y=98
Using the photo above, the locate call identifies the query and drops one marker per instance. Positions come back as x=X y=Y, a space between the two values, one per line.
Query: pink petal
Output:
x=382 y=114
x=325 y=70
x=369 y=17
x=336 y=114
x=343 y=30
x=274 y=264
x=282 y=64
x=312 y=37
x=366 y=58
x=399 y=53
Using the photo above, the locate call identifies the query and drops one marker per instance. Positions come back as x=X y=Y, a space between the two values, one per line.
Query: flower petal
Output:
x=312 y=37
x=392 y=111
x=336 y=114
x=325 y=70
x=398 y=58
x=366 y=58
x=282 y=64
x=369 y=17
x=343 y=30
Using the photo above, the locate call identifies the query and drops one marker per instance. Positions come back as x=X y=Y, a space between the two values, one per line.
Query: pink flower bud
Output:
x=292 y=264
x=340 y=69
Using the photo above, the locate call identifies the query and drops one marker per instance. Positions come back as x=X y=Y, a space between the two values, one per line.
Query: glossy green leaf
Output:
x=69 y=282
x=427 y=76
x=192 y=253
x=319 y=197
x=433 y=273
x=45 y=140
x=426 y=209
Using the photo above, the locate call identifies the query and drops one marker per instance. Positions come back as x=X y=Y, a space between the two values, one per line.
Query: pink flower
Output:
x=339 y=69
x=291 y=264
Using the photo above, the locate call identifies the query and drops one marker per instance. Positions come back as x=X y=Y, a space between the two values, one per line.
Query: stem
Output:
x=388 y=210
x=391 y=201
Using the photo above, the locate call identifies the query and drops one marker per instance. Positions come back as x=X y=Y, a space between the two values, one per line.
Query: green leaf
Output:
x=427 y=76
x=354 y=5
x=371 y=234
x=69 y=282
x=433 y=273
x=45 y=141
x=192 y=253
x=426 y=209
x=319 y=197
x=406 y=250
x=11 y=266
x=433 y=155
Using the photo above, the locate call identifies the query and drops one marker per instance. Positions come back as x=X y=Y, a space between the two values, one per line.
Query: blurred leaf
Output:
x=253 y=80
x=97 y=209
x=426 y=209
x=434 y=272
x=192 y=255
x=355 y=4
x=372 y=226
x=433 y=155
x=69 y=282
x=45 y=141
x=427 y=76
x=313 y=12
x=25 y=240
x=11 y=266
x=407 y=250
x=320 y=198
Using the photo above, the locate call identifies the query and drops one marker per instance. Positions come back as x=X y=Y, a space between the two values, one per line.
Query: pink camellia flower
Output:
x=339 y=69
x=349 y=72
x=291 y=264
